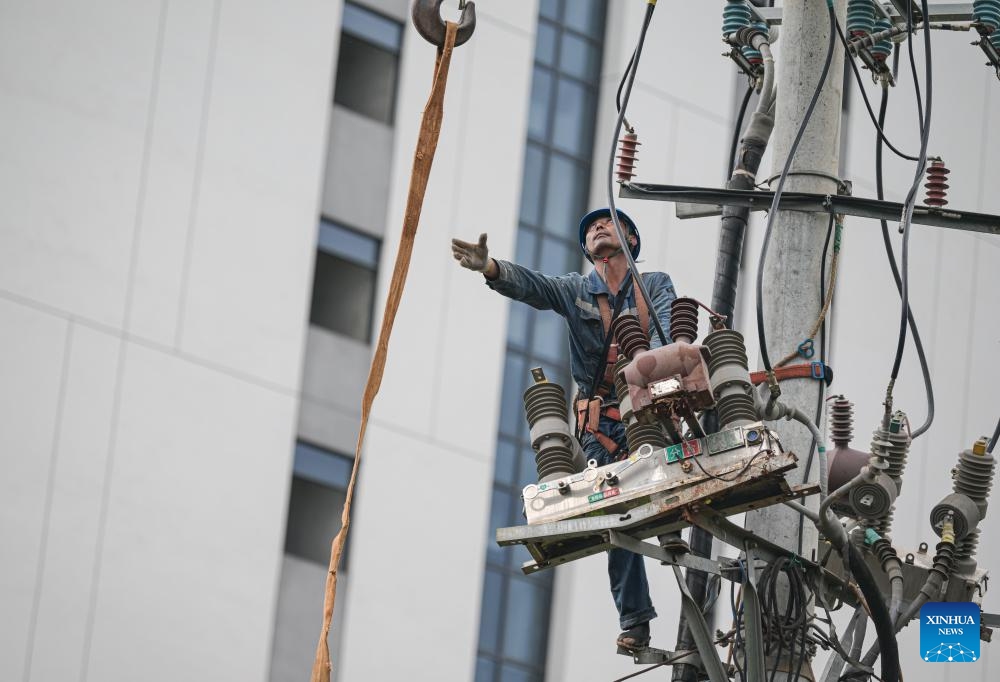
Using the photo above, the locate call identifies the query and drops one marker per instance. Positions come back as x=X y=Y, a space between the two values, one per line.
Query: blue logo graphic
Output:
x=949 y=632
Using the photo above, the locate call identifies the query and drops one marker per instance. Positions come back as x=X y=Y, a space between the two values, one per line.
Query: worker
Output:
x=580 y=299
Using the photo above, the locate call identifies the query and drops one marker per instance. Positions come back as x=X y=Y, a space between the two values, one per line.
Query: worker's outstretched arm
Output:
x=517 y=282
x=475 y=256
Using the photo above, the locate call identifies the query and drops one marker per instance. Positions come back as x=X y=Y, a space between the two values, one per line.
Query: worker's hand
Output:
x=472 y=256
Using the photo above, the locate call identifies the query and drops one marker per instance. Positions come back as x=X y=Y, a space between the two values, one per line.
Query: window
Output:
x=368 y=63
x=319 y=486
x=344 y=281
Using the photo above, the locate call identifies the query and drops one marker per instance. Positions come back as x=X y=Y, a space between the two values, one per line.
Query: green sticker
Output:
x=674 y=453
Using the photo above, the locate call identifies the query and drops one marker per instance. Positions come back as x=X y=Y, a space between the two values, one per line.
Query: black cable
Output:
x=918 y=344
x=822 y=358
x=737 y=130
x=864 y=95
x=911 y=197
x=650 y=6
x=738 y=473
x=781 y=185
x=621 y=83
x=876 y=605
x=994 y=439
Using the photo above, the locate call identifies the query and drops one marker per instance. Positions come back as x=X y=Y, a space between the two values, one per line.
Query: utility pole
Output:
x=791 y=287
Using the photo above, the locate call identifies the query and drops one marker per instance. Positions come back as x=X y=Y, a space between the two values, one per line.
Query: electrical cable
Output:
x=918 y=344
x=864 y=95
x=634 y=66
x=994 y=439
x=822 y=358
x=781 y=186
x=737 y=130
x=879 y=613
x=739 y=473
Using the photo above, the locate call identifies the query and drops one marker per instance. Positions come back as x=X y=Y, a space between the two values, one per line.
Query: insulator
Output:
x=684 y=320
x=973 y=477
x=551 y=439
x=736 y=407
x=884 y=551
x=873 y=500
x=638 y=434
x=621 y=385
x=841 y=414
x=730 y=378
x=937 y=185
x=860 y=17
x=726 y=347
x=752 y=54
x=883 y=48
x=628 y=332
x=545 y=399
x=627 y=156
x=895 y=445
x=945 y=558
x=987 y=13
x=735 y=16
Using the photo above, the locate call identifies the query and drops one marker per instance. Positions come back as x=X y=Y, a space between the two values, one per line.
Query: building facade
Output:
x=201 y=206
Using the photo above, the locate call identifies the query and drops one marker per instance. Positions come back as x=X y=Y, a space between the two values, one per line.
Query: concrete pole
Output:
x=791 y=273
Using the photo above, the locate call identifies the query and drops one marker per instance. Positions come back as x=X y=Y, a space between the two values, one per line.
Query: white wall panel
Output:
x=172 y=171
x=32 y=353
x=255 y=224
x=75 y=500
x=197 y=498
x=75 y=87
x=417 y=531
x=447 y=315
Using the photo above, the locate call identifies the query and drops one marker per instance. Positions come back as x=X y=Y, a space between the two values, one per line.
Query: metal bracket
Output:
x=754 y=627
x=699 y=631
x=760 y=200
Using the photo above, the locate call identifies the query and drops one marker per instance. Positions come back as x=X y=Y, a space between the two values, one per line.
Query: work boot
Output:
x=636 y=637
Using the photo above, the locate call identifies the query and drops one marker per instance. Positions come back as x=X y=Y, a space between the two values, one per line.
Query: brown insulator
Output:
x=937 y=185
x=684 y=320
x=621 y=385
x=626 y=156
x=628 y=332
x=841 y=420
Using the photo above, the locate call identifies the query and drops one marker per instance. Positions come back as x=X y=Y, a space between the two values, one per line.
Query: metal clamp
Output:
x=426 y=16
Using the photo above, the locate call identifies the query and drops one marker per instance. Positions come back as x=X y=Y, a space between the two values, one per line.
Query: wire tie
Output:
x=806 y=349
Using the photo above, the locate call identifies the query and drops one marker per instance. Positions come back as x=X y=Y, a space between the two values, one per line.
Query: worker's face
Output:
x=602 y=237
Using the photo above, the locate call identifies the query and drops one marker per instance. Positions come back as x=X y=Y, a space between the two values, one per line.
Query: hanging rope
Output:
x=430 y=128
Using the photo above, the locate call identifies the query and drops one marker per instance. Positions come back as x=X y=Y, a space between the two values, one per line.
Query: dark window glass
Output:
x=489 y=625
x=579 y=57
x=568 y=184
x=538 y=114
x=548 y=340
x=524 y=636
x=527 y=244
x=586 y=16
x=558 y=256
x=315 y=503
x=531 y=186
x=500 y=517
x=573 y=130
x=506 y=462
x=511 y=672
x=485 y=669
x=528 y=472
x=344 y=281
x=549 y=9
x=545 y=44
x=368 y=63
x=517 y=326
x=515 y=375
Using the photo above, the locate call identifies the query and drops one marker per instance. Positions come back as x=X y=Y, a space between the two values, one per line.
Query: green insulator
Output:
x=735 y=16
x=860 y=17
x=987 y=13
x=883 y=48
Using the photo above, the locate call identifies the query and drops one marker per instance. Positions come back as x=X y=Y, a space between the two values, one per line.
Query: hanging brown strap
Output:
x=430 y=128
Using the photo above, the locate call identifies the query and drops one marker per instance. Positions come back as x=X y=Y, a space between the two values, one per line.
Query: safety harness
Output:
x=589 y=408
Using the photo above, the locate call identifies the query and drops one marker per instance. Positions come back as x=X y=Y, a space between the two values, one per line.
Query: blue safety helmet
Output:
x=627 y=223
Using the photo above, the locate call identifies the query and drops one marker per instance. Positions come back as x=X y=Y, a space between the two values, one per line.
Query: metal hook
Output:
x=426 y=15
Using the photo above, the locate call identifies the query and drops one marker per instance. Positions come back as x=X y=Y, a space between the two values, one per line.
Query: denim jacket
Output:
x=574 y=296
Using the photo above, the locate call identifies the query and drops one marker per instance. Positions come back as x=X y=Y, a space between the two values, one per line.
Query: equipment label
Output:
x=597 y=497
